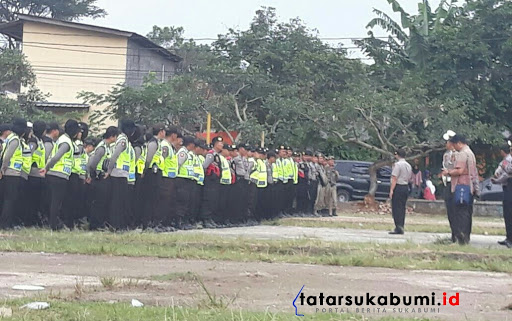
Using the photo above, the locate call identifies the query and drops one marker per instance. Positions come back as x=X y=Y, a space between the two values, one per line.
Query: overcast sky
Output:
x=208 y=18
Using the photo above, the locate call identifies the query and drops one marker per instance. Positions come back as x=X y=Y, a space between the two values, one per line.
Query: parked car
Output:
x=490 y=191
x=354 y=181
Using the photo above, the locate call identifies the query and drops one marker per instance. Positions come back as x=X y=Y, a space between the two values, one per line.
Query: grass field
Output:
x=209 y=247
x=90 y=311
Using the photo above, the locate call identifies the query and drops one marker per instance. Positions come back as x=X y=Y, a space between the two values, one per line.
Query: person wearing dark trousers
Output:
x=240 y=165
x=11 y=174
x=167 y=200
x=465 y=182
x=152 y=177
x=35 y=184
x=212 y=169
x=5 y=131
x=399 y=190
x=58 y=170
x=449 y=164
x=118 y=173
x=197 y=189
x=225 y=207
x=139 y=147
x=502 y=177
x=185 y=183
x=100 y=187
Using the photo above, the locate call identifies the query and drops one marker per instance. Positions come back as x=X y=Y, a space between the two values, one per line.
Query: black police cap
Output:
x=217 y=139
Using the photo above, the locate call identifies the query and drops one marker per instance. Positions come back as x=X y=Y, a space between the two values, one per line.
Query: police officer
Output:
x=240 y=165
x=35 y=184
x=197 y=190
x=58 y=170
x=501 y=177
x=252 y=188
x=152 y=176
x=212 y=167
x=302 y=186
x=74 y=201
x=399 y=190
x=118 y=172
x=167 y=200
x=331 y=194
x=224 y=212
x=312 y=181
x=449 y=164
x=5 y=131
x=11 y=173
x=100 y=189
x=269 y=199
x=185 y=183
x=262 y=182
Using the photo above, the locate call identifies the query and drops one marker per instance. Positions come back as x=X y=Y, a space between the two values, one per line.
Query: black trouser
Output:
x=167 y=202
x=507 y=208
x=450 y=211
x=463 y=221
x=58 y=191
x=34 y=190
x=74 y=203
x=239 y=200
x=252 y=200
x=11 y=204
x=301 y=193
x=184 y=190
x=210 y=202
x=137 y=202
x=118 y=212
x=290 y=197
x=312 y=194
x=280 y=201
x=398 y=204
x=267 y=198
x=196 y=200
x=100 y=195
x=150 y=194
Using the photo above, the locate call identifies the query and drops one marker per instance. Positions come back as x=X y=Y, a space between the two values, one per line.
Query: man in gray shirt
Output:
x=399 y=190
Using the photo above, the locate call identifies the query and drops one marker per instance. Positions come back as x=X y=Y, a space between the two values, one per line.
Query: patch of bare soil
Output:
x=252 y=286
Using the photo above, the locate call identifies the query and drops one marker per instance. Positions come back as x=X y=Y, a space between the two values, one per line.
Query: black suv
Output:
x=354 y=182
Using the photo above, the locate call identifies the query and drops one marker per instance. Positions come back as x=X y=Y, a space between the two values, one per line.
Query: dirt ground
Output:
x=251 y=286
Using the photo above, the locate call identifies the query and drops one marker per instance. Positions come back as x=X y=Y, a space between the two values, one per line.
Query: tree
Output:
x=407 y=48
x=58 y=9
x=14 y=70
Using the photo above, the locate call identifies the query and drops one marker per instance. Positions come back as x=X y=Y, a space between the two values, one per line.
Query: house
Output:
x=69 y=57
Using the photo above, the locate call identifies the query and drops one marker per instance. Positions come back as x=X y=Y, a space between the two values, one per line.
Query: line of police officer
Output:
x=159 y=180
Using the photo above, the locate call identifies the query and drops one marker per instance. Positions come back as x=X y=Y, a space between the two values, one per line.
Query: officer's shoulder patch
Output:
x=182 y=154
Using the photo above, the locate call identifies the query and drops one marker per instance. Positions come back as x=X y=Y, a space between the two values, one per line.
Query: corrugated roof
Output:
x=45 y=104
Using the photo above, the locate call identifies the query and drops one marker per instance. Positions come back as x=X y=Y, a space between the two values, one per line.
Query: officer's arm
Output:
x=165 y=151
x=11 y=148
x=48 y=150
x=63 y=149
x=94 y=160
x=32 y=145
x=208 y=161
x=138 y=152
x=182 y=157
x=152 y=147
x=120 y=147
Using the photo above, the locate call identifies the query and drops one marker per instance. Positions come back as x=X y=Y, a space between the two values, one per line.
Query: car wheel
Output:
x=343 y=196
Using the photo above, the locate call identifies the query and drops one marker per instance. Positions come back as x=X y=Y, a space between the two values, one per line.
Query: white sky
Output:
x=208 y=18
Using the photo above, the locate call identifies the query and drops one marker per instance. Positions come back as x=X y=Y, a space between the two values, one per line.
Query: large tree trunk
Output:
x=373 y=175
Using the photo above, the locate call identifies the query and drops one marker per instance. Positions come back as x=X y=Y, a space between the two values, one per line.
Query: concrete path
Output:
x=342 y=235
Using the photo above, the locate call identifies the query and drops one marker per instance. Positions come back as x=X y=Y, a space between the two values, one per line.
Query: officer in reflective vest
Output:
x=96 y=168
x=212 y=167
x=57 y=171
x=10 y=173
x=261 y=181
x=74 y=202
x=167 y=199
x=185 y=183
x=118 y=173
x=152 y=177
x=199 y=176
x=268 y=208
x=34 y=209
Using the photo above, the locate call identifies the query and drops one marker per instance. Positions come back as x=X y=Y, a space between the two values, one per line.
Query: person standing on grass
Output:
x=449 y=164
x=502 y=177
x=465 y=186
x=399 y=190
